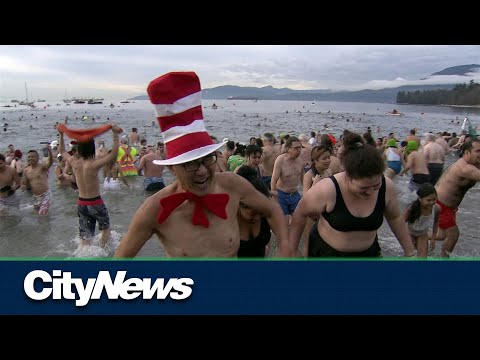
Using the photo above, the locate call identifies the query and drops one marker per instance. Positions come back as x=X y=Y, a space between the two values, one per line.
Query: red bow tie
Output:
x=216 y=203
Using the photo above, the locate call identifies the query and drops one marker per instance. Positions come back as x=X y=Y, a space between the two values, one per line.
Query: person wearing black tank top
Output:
x=254 y=229
x=351 y=205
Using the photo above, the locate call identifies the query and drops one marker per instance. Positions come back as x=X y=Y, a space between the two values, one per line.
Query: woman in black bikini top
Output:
x=352 y=205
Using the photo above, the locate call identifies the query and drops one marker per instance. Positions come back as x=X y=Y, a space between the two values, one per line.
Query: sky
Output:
x=119 y=72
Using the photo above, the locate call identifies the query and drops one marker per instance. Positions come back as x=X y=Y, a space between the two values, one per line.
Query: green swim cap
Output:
x=411 y=146
x=391 y=143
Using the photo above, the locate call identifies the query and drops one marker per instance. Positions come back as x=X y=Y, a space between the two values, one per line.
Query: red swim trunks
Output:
x=447 y=216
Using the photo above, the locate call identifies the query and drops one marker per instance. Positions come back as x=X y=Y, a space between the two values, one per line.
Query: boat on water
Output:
x=242 y=98
x=95 y=101
x=26 y=102
x=394 y=113
x=66 y=100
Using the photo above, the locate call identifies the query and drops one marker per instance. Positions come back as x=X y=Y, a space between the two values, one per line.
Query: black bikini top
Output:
x=255 y=247
x=342 y=220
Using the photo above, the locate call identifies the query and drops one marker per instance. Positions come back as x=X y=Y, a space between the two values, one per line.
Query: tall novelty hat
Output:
x=177 y=97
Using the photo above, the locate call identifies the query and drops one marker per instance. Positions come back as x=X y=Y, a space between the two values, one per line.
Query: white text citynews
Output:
x=60 y=285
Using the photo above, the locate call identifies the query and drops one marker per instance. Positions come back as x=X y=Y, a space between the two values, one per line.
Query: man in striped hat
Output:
x=195 y=216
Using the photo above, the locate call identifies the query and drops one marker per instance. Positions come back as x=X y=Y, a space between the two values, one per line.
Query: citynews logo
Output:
x=59 y=286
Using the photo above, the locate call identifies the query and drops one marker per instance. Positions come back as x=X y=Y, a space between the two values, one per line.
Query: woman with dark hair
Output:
x=351 y=205
x=419 y=215
x=320 y=156
x=254 y=230
x=253 y=156
x=335 y=164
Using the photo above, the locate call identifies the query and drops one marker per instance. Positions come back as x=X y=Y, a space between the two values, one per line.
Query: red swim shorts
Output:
x=447 y=216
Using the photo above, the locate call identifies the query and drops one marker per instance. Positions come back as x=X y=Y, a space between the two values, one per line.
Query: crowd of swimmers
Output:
x=333 y=192
x=322 y=196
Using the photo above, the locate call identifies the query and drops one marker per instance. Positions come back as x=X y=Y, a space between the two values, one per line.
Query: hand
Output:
x=432 y=244
x=316 y=179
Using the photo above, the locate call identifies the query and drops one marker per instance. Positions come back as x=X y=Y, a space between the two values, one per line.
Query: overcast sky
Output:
x=120 y=72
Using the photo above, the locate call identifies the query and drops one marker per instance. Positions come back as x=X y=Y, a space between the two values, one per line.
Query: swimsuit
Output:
x=317 y=247
x=447 y=217
x=342 y=220
x=153 y=183
x=288 y=201
x=435 y=170
x=255 y=247
x=416 y=180
x=420 y=226
x=393 y=161
x=89 y=212
x=42 y=202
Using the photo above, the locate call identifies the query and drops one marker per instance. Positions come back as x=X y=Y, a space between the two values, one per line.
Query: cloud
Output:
x=119 y=72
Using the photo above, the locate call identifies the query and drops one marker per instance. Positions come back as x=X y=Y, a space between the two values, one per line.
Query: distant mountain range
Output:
x=388 y=95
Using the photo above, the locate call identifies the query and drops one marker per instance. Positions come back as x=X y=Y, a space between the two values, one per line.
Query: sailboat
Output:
x=26 y=102
x=65 y=99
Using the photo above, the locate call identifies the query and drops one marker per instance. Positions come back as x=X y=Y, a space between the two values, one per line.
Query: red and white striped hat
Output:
x=177 y=97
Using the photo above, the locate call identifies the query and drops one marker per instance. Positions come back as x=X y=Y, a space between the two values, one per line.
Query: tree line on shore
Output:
x=461 y=94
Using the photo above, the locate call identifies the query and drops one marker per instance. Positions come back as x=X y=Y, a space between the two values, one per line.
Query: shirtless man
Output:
x=417 y=165
x=35 y=178
x=412 y=136
x=153 y=173
x=9 y=183
x=270 y=154
x=134 y=137
x=435 y=156
x=177 y=233
x=196 y=215
x=90 y=205
x=452 y=186
x=288 y=171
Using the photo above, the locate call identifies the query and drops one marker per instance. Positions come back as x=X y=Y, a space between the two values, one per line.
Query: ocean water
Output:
x=24 y=234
